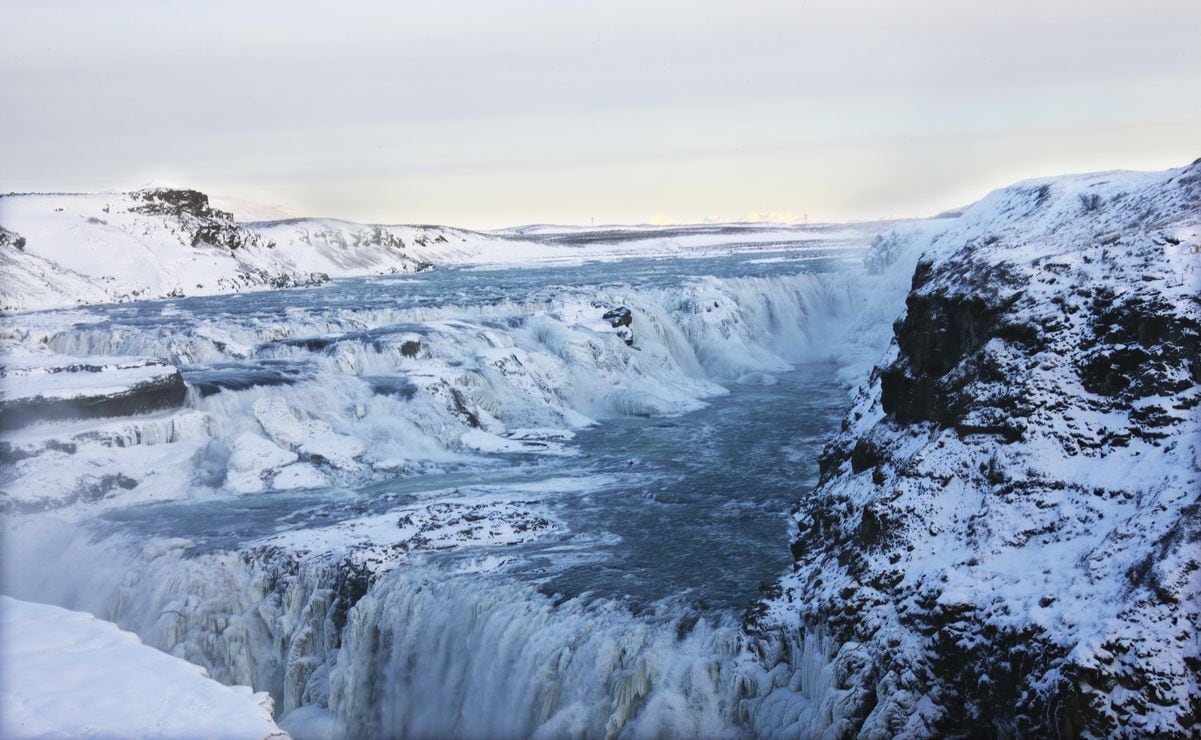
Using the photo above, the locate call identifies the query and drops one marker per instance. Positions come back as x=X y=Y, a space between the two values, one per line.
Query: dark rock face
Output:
x=164 y=392
x=202 y=223
x=621 y=318
x=11 y=239
x=943 y=359
x=168 y=201
x=1140 y=348
x=1006 y=540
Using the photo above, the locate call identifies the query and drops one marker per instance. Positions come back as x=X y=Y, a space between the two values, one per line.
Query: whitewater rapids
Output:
x=413 y=507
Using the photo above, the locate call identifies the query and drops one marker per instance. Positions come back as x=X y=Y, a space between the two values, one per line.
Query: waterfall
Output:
x=347 y=397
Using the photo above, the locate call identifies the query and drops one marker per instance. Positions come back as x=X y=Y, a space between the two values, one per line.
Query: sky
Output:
x=487 y=113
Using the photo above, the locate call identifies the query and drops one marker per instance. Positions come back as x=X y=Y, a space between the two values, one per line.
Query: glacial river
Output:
x=480 y=507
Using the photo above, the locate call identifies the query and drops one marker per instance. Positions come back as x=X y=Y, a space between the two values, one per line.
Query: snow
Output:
x=468 y=517
x=115 y=247
x=86 y=248
x=1035 y=539
x=52 y=376
x=67 y=674
x=246 y=211
x=298 y=476
x=252 y=458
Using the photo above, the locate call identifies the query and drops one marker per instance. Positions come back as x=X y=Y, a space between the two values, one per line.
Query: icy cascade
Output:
x=427 y=652
x=276 y=618
x=427 y=655
x=342 y=396
x=345 y=394
x=1005 y=537
x=263 y=617
x=423 y=651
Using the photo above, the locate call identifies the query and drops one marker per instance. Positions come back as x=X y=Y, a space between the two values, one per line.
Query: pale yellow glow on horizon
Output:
x=490 y=114
x=880 y=180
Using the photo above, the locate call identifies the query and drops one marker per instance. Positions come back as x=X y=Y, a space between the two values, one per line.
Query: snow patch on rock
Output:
x=1005 y=538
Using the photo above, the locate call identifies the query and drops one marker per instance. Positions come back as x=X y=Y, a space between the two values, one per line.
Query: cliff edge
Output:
x=1006 y=540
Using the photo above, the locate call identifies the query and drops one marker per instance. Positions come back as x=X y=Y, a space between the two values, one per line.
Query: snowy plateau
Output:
x=304 y=476
x=72 y=249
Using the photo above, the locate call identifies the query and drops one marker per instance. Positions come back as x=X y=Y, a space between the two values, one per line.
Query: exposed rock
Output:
x=88 y=390
x=11 y=239
x=1006 y=538
x=175 y=202
x=621 y=318
x=206 y=225
x=312 y=280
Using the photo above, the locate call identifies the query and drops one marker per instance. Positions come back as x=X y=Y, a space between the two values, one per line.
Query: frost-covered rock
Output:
x=1006 y=537
x=299 y=475
x=41 y=387
x=11 y=240
x=68 y=674
x=252 y=460
x=313 y=439
x=325 y=446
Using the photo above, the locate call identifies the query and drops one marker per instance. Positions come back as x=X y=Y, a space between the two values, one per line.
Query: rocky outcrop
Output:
x=621 y=319
x=11 y=240
x=1006 y=540
x=191 y=210
x=77 y=390
x=178 y=203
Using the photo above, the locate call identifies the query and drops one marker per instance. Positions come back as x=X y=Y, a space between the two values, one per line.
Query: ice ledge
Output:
x=54 y=387
x=69 y=674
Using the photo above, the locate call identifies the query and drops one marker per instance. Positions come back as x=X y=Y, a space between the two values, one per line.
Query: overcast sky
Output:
x=487 y=113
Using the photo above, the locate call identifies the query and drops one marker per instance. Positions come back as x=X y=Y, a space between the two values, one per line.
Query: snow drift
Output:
x=68 y=674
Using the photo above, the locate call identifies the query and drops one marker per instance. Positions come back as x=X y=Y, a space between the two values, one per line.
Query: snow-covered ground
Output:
x=103 y=247
x=87 y=248
x=67 y=674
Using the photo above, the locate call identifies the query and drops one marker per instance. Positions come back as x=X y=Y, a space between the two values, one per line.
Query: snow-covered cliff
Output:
x=1007 y=536
x=82 y=248
x=69 y=249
